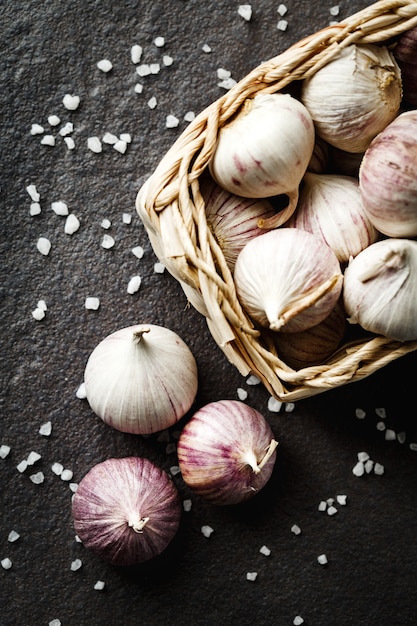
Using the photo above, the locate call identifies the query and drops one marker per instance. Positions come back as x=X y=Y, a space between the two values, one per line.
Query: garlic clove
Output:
x=141 y=379
x=354 y=96
x=288 y=279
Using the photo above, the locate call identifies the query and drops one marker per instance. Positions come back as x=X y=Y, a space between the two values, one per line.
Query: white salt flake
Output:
x=105 y=65
x=37 y=478
x=390 y=435
x=127 y=137
x=245 y=11
x=334 y=10
x=381 y=412
x=159 y=268
x=70 y=143
x=99 y=585
x=401 y=437
x=341 y=499
x=380 y=426
x=43 y=245
x=107 y=242
x=171 y=121
x=175 y=470
x=207 y=530
x=55 y=622
x=143 y=69
x=6 y=563
x=54 y=120
x=81 y=392
x=295 y=529
x=167 y=60
x=282 y=10
x=138 y=251
x=252 y=576
x=67 y=129
x=242 y=394
x=110 y=138
x=265 y=550
x=331 y=510
x=92 y=303
x=252 y=380
x=155 y=68
x=378 y=469
x=67 y=475
x=298 y=620
x=71 y=102
x=76 y=564
x=33 y=192
x=136 y=53
x=45 y=429
x=73 y=487
x=152 y=102
x=282 y=25
x=170 y=448
x=363 y=456
x=222 y=74
x=358 y=469
x=127 y=218
x=159 y=42
x=289 y=407
x=186 y=505
x=120 y=146
x=38 y=314
x=48 y=140
x=360 y=414
x=77 y=539
x=36 y=129
x=369 y=465
x=413 y=447
x=59 y=207
x=72 y=224
x=228 y=83
x=330 y=501
x=189 y=116
x=323 y=505
x=13 y=536
x=134 y=284
x=274 y=405
x=138 y=88
x=4 y=451
x=94 y=144
x=33 y=457
x=22 y=466
x=322 y=559
x=206 y=48
x=105 y=223
x=35 y=208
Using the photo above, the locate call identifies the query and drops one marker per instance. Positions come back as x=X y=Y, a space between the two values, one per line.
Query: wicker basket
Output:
x=173 y=212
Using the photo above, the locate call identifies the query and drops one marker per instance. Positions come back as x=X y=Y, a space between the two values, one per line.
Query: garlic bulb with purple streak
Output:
x=141 y=379
x=126 y=510
x=226 y=452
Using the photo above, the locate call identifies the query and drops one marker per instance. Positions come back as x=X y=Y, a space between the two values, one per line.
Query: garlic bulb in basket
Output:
x=380 y=289
x=330 y=207
x=288 y=279
x=141 y=379
x=388 y=178
x=405 y=53
x=354 y=96
x=265 y=150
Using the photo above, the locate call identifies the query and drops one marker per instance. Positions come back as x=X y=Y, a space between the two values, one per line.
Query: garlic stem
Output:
x=137 y=335
x=249 y=458
x=138 y=524
x=392 y=258
x=269 y=452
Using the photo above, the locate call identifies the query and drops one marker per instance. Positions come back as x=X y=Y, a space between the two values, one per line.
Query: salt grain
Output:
x=13 y=536
x=136 y=53
x=189 y=116
x=207 y=530
x=99 y=585
x=265 y=551
x=37 y=478
x=110 y=138
x=360 y=414
x=253 y=380
x=33 y=457
x=70 y=143
x=379 y=469
x=22 y=466
x=67 y=129
x=72 y=224
x=36 y=129
x=222 y=74
x=401 y=437
x=363 y=456
x=105 y=65
x=323 y=505
x=368 y=465
x=94 y=144
x=92 y=303
x=159 y=268
x=381 y=412
x=167 y=60
x=81 y=392
x=171 y=121
x=358 y=469
x=170 y=448
x=138 y=251
x=67 y=475
x=55 y=622
x=282 y=10
x=48 y=140
x=107 y=242
x=242 y=394
x=186 y=505
x=138 y=88
x=245 y=11
x=322 y=559
x=341 y=499
x=380 y=426
x=282 y=25
x=175 y=470
x=143 y=70
x=252 y=576
x=6 y=563
x=413 y=447
x=73 y=487
x=295 y=529
x=59 y=207
x=120 y=146
x=155 y=68
x=34 y=194
x=53 y=120
x=152 y=102
x=298 y=620
x=46 y=429
x=390 y=435
x=127 y=137
x=42 y=305
x=334 y=10
x=274 y=405
x=105 y=223
x=38 y=314
x=206 y=48
x=4 y=451
x=76 y=564
x=159 y=42
x=134 y=284
x=35 y=208
x=289 y=407
x=331 y=510
x=71 y=102
x=127 y=218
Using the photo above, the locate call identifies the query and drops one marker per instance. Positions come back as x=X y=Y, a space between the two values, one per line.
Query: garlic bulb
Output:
x=388 y=178
x=320 y=158
x=265 y=150
x=330 y=207
x=141 y=379
x=126 y=510
x=232 y=219
x=405 y=53
x=314 y=345
x=380 y=289
x=226 y=452
x=288 y=279
x=354 y=96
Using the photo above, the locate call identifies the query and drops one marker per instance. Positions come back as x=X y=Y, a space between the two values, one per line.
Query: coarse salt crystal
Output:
x=34 y=194
x=245 y=11
x=13 y=536
x=105 y=223
x=143 y=70
x=295 y=529
x=81 y=392
x=43 y=245
x=368 y=465
x=70 y=143
x=378 y=469
x=36 y=129
x=72 y=224
x=71 y=102
x=330 y=501
x=53 y=120
x=155 y=68
x=152 y=102
x=282 y=25
x=159 y=268
x=33 y=457
x=186 y=505
x=127 y=137
x=159 y=42
x=228 y=83
x=223 y=74
x=381 y=412
x=94 y=144
x=207 y=530
x=134 y=284
x=138 y=88
x=59 y=207
x=322 y=559
x=105 y=65
x=48 y=140
x=390 y=435
x=331 y=510
x=136 y=53
x=99 y=585
x=282 y=10
x=298 y=620
x=242 y=394
x=35 y=208
x=189 y=116
x=341 y=499
x=67 y=475
x=289 y=407
x=37 y=478
x=38 y=314
x=274 y=405
x=138 y=251
x=381 y=426
x=206 y=48
x=171 y=121
x=73 y=487
x=45 y=429
x=334 y=10
x=22 y=466
x=170 y=448
x=92 y=303
x=55 y=622
x=127 y=218
x=76 y=564
x=4 y=451
x=252 y=576
x=265 y=550
x=413 y=447
x=6 y=563
x=360 y=414
x=358 y=469
x=175 y=470
x=401 y=437
x=323 y=505
x=120 y=146
x=66 y=129
x=253 y=380
x=167 y=60
x=363 y=456
x=107 y=242
x=110 y=138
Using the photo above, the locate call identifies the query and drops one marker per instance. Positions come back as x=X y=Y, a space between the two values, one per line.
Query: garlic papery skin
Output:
x=265 y=150
x=232 y=219
x=288 y=279
x=354 y=96
x=126 y=510
x=314 y=345
x=226 y=452
x=380 y=289
x=330 y=207
x=141 y=379
x=388 y=178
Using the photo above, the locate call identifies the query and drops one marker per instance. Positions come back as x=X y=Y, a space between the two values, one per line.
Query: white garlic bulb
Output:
x=288 y=279
x=354 y=96
x=265 y=150
x=141 y=379
x=330 y=207
x=380 y=289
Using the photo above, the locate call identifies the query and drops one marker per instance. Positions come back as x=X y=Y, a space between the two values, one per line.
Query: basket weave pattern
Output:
x=173 y=212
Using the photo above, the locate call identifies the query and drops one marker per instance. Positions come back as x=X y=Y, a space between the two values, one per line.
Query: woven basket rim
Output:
x=172 y=210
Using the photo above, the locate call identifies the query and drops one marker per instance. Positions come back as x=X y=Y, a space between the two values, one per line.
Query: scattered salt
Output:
x=38 y=314
x=253 y=380
x=159 y=42
x=381 y=412
x=206 y=48
x=282 y=9
x=170 y=448
x=81 y=393
x=107 y=242
x=94 y=144
x=120 y=146
x=175 y=470
x=66 y=129
x=59 y=207
x=110 y=138
x=222 y=74
x=70 y=143
x=138 y=251
x=35 y=208
x=77 y=539
x=45 y=429
x=274 y=405
x=167 y=60
x=57 y=468
x=143 y=70
x=48 y=140
x=341 y=499
x=413 y=446
x=71 y=102
x=127 y=218
x=390 y=435
x=187 y=504
x=323 y=505
x=134 y=284
x=136 y=53
x=92 y=303
x=358 y=469
x=298 y=620
x=36 y=129
x=72 y=224
x=33 y=457
x=360 y=414
x=245 y=11
x=330 y=501
x=55 y=622
x=6 y=563
x=155 y=68
x=363 y=456
x=37 y=478
x=152 y=102
x=401 y=437
x=159 y=268
x=21 y=467
x=76 y=564
x=105 y=65
x=331 y=510
x=242 y=394
x=252 y=576
x=207 y=530
x=105 y=223
x=73 y=487
x=171 y=121
x=380 y=426
x=4 y=451
x=322 y=559
x=34 y=194
x=378 y=469
x=189 y=116
x=13 y=536
x=368 y=465
x=334 y=10
x=127 y=137
x=289 y=407
x=282 y=25
x=228 y=83
x=265 y=551
x=295 y=529
x=53 y=120
x=67 y=475
x=138 y=88
x=99 y=585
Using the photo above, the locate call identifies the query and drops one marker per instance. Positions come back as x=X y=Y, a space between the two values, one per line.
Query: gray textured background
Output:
x=49 y=49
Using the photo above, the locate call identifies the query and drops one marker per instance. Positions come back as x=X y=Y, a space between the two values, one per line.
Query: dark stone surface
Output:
x=49 y=49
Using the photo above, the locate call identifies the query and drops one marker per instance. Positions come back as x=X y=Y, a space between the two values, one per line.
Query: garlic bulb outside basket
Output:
x=265 y=150
x=126 y=510
x=380 y=289
x=354 y=96
x=288 y=279
x=141 y=379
